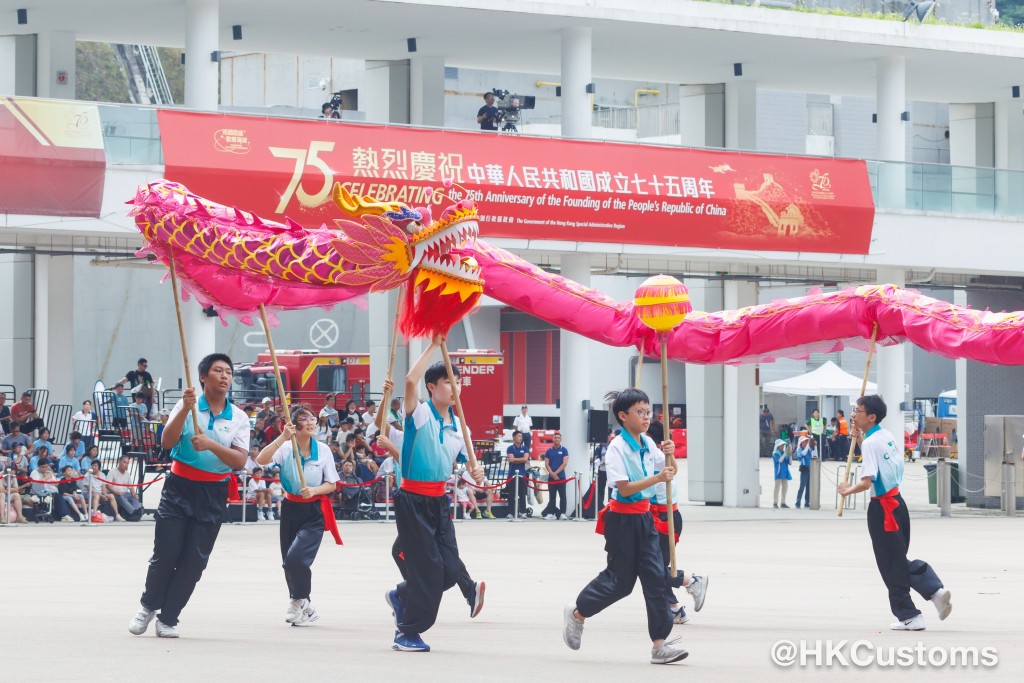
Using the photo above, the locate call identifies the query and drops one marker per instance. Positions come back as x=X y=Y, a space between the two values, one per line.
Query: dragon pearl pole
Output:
x=863 y=390
x=280 y=391
x=385 y=401
x=184 y=346
x=670 y=461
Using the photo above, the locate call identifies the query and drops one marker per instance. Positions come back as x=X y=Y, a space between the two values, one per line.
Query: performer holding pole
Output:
x=432 y=442
x=192 y=502
x=382 y=414
x=889 y=519
x=863 y=390
x=281 y=392
x=181 y=335
x=306 y=511
x=635 y=465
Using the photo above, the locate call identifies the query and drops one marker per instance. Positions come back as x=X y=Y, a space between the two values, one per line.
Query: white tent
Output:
x=828 y=380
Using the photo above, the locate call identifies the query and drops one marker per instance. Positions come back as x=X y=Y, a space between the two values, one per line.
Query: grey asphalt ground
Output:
x=774 y=575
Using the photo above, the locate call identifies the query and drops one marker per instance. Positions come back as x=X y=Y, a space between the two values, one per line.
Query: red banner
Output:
x=51 y=158
x=528 y=187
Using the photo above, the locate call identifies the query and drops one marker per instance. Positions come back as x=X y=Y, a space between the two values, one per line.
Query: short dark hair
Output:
x=437 y=371
x=873 y=405
x=299 y=410
x=42 y=461
x=67 y=467
x=76 y=435
x=350 y=437
x=486 y=94
x=70 y=448
x=516 y=431
x=370 y=403
x=207 y=363
x=26 y=393
x=841 y=413
x=623 y=400
x=257 y=469
x=142 y=360
x=119 y=384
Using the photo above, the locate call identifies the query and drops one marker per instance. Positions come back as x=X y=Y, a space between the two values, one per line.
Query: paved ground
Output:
x=788 y=574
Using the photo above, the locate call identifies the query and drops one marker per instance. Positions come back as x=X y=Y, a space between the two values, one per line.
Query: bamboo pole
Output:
x=670 y=461
x=458 y=405
x=184 y=347
x=863 y=390
x=639 y=368
x=382 y=412
x=284 y=397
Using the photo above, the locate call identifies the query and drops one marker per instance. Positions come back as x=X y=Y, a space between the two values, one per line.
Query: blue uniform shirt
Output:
x=555 y=457
x=883 y=460
x=519 y=452
x=229 y=428
x=630 y=460
x=430 y=446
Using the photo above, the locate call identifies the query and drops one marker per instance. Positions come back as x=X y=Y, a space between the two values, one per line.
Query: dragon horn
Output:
x=360 y=206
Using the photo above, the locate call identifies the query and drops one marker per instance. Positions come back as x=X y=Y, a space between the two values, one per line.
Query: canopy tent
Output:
x=828 y=380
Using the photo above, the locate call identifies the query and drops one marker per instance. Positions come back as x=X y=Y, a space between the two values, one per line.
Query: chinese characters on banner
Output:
x=528 y=187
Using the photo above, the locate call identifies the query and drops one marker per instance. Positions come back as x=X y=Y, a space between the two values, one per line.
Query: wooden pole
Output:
x=670 y=461
x=863 y=390
x=458 y=405
x=382 y=412
x=184 y=346
x=284 y=397
x=639 y=368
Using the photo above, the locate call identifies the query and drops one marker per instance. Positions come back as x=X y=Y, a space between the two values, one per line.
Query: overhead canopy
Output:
x=828 y=380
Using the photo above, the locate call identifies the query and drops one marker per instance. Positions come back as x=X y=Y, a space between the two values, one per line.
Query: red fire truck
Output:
x=482 y=376
x=308 y=377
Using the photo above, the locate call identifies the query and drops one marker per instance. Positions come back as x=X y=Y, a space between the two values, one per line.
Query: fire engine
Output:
x=308 y=377
x=482 y=377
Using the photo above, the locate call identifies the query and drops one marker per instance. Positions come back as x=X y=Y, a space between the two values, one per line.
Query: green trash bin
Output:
x=933 y=498
x=954 y=483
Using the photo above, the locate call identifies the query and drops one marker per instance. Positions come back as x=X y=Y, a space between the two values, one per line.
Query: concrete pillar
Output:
x=575 y=384
x=16 y=336
x=381 y=327
x=54 y=328
x=891 y=364
x=577 y=114
x=202 y=37
x=704 y=411
x=386 y=86
x=741 y=440
x=55 y=65
x=426 y=91
x=972 y=134
x=18 y=66
x=1008 y=146
x=200 y=335
x=891 y=84
x=741 y=115
x=702 y=115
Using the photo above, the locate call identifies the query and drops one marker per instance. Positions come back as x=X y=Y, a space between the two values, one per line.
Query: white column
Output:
x=575 y=384
x=577 y=113
x=16 y=341
x=202 y=37
x=200 y=335
x=702 y=115
x=891 y=360
x=382 y=325
x=891 y=99
x=741 y=115
x=55 y=54
x=704 y=411
x=741 y=441
x=1009 y=154
x=426 y=91
x=386 y=87
x=54 y=329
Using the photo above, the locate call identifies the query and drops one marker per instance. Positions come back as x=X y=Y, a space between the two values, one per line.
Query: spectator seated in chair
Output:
x=44 y=440
x=24 y=414
x=128 y=502
x=14 y=437
x=349 y=494
x=11 y=512
x=68 y=489
x=99 y=496
x=48 y=504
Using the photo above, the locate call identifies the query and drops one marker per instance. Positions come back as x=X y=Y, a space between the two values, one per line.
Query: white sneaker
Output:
x=67 y=518
x=913 y=624
x=165 y=631
x=572 y=630
x=943 y=601
x=698 y=588
x=294 y=610
x=549 y=516
x=307 y=616
x=670 y=651
x=119 y=518
x=679 y=616
x=140 y=622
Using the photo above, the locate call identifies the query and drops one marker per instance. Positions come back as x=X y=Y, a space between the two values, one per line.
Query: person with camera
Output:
x=327 y=111
x=487 y=117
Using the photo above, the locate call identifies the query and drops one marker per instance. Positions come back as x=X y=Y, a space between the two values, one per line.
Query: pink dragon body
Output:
x=234 y=260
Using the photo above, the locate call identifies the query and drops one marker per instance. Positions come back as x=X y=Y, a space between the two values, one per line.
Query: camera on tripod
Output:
x=336 y=102
x=510 y=108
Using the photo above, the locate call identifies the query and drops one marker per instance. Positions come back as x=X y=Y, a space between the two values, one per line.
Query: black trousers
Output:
x=301 y=531
x=510 y=494
x=673 y=582
x=899 y=575
x=631 y=542
x=187 y=523
x=464 y=581
x=553 y=491
x=426 y=538
x=602 y=488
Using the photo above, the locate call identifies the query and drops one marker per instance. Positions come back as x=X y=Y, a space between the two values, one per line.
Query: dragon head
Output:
x=443 y=286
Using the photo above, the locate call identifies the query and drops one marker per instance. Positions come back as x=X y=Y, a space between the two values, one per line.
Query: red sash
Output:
x=662 y=524
x=889 y=503
x=641 y=507
x=330 y=523
x=186 y=471
x=424 y=488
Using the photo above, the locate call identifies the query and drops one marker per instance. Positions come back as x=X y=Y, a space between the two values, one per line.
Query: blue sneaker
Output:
x=397 y=608
x=407 y=643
